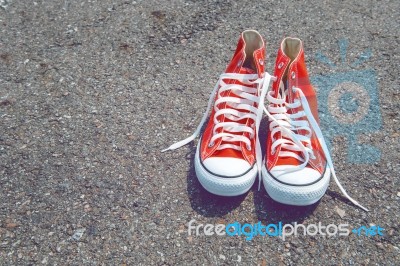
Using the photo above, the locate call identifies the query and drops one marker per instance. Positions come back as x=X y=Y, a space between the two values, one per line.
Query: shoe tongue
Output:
x=245 y=70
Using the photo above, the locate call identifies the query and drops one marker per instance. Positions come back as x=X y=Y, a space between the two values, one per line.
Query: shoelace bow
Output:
x=289 y=123
x=247 y=98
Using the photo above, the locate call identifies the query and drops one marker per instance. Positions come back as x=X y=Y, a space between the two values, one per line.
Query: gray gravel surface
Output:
x=91 y=91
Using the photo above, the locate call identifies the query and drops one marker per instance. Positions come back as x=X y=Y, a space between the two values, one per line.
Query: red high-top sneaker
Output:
x=228 y=156
x=297 y=165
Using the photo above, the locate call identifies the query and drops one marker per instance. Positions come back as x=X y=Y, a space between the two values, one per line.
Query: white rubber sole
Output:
x=295 y=195
x=224 y=186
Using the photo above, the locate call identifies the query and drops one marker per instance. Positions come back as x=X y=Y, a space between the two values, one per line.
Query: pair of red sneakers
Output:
x=297 y=166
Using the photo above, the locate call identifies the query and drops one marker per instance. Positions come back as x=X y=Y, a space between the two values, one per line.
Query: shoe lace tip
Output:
x=360 y=206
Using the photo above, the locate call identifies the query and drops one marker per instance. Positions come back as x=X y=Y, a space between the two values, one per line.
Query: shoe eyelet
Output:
x=239 y=63
x=293 y=75
x=280 y=65
x=211 y=144
x=260 y=61
x=248 y=148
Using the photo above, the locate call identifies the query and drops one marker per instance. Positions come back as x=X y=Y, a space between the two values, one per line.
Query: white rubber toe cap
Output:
x=226 y=166
x=302 y=177
x=301 y=188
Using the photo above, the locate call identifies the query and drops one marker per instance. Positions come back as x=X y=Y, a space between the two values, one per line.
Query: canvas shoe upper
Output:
x=228 y=156
x=297 y=165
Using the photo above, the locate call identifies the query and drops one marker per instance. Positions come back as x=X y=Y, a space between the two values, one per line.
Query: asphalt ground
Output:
x=91 y=91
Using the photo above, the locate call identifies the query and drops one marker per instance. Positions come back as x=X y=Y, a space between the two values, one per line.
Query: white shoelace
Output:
x=248 y=98
x=285 y=123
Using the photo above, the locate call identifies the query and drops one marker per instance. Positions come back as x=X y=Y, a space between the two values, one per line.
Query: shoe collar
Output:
x=250 y=44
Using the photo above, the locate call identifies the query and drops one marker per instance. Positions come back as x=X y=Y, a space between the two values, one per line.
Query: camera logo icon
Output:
x=349 y=104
